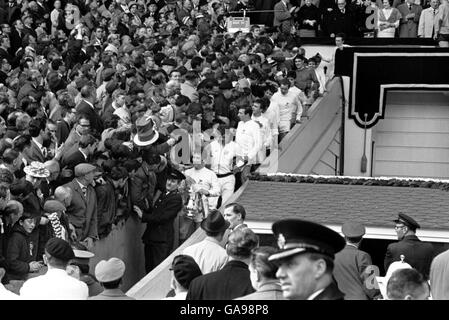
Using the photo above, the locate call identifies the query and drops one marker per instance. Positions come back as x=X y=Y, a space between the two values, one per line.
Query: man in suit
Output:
x=342 y=20
x=82 y=211
x=188 y=87
x=263 y=276
x=233 y=280
x=16 y=35
x=40 y=140
x=159 y=234
x=408 y=27
x=353 y=266
x=87 y=106
x=235 y=213
x=12 y=12
x=306 y=259
x=428 y=20
x=283 y=16
x=417 y=253
x=86 y=148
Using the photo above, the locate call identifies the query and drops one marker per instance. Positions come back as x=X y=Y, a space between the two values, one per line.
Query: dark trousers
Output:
x=155 y=253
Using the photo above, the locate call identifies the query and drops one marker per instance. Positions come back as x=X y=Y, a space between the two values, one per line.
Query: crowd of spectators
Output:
x=105 y=105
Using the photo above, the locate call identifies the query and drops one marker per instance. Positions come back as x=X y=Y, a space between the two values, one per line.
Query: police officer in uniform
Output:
x=417 y=253
x=306 y=260
x=159 y=235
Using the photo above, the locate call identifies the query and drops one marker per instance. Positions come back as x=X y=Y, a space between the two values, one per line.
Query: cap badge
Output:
x=281 y=241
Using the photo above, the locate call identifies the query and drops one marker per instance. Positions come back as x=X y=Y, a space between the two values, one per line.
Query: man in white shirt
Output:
x=209 y=254
x=248 y=136
x=204 y=181
x=120 y=108
x=220 y=154
x=289 y=106
x=56 y=284
x=259 y=106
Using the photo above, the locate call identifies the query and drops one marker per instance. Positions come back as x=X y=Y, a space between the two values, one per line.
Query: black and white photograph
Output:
x=211 y=152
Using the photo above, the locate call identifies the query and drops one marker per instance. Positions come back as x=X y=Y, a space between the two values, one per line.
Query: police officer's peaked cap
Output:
x=299 y=236
x=408 y=221
x=176 y=175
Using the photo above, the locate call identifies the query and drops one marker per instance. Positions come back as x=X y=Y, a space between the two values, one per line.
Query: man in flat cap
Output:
x=417 y=253
x=109 y=274
x=352 y=266
x=82 y=211
x=158 y=237
x=306 y=259
x=56 y=284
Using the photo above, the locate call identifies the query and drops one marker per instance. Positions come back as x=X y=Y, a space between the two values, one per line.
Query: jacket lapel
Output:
x=77 y=188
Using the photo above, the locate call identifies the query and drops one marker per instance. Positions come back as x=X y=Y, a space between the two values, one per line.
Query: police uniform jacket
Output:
x=231 y=282
x=418 y=254
x=160 y=218
x=331 y=292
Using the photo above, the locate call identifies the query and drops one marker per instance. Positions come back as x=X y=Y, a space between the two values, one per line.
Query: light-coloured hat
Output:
x=82 y=256
x=37 y=169
x=111 y=48
x=146 y=135
x=111 y=270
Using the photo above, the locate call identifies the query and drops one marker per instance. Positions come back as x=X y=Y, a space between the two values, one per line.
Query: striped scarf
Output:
x=56 y=225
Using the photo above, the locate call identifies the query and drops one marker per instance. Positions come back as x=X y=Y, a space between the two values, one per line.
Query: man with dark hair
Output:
x=407 y=284
x=40 y=140
x=188 y=87
x=288 y=106
x=248 y=136
x=306 y=259
x=86 y=106
x=417 y=253
x=185 y=269
x=209 y=254
x=82 y=127
x=65 y=124
x=233 y=280
x=86 y=148
x=353 y=266
x=56 y=284
x=109 y=274
x=235 y=214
